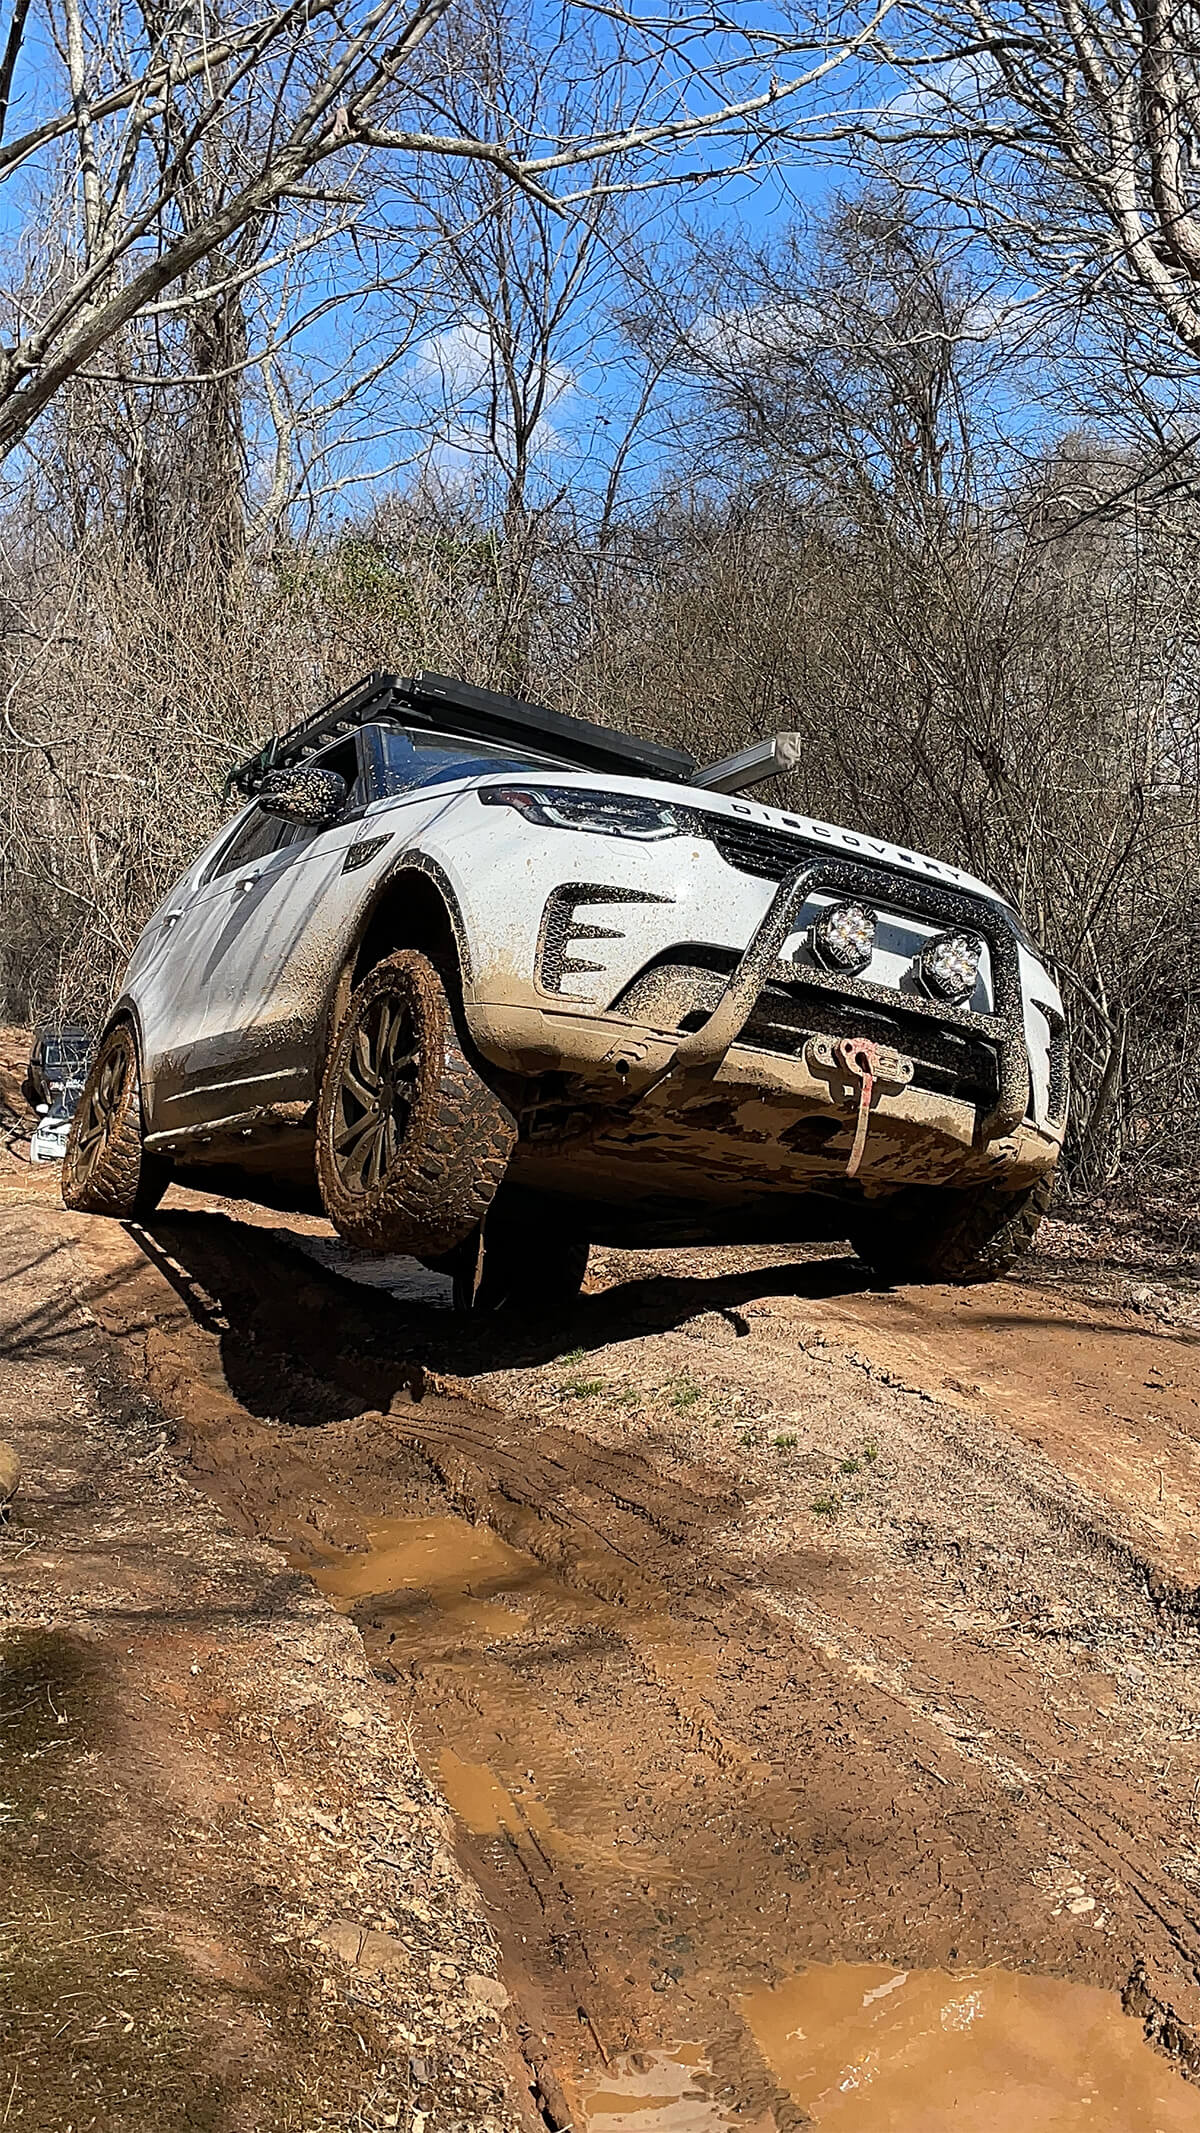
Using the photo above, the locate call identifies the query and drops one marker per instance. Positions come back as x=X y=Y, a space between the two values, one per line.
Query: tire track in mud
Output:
x=693 y=1747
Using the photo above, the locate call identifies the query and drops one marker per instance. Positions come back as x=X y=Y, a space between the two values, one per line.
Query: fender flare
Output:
x=411 y=861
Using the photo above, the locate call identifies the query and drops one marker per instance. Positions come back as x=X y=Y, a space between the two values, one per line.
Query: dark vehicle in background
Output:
x=58 y=1065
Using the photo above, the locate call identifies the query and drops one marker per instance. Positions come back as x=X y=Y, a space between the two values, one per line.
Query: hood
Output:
x=750 y=815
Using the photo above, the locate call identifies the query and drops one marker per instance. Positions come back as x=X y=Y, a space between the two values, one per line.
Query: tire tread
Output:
x=457 y=1143
x=957 y=1237
x=125 y=1182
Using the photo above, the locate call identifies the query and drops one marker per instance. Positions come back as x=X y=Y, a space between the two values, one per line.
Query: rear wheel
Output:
x=959 y=1237
x=411 y=1142
x=106 y=1169
x=519 y=1264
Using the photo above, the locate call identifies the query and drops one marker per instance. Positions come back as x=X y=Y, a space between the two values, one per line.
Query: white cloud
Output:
x=458 y=376
x=756 y=331
x=951 y=82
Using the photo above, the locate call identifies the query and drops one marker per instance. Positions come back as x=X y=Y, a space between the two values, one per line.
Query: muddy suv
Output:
x=487 y=984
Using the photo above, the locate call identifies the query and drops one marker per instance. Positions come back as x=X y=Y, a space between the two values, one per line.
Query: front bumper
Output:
x=759 y=1123
x=701 y=1053
x=708 y=1113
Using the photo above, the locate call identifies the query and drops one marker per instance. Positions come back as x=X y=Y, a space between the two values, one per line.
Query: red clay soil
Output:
x=749 y=1617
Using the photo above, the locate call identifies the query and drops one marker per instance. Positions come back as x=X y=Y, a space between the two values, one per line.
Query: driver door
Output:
x=262 y=950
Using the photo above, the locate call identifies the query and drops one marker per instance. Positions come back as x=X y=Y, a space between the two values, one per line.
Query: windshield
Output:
x=412 y=758
x=67 y=1055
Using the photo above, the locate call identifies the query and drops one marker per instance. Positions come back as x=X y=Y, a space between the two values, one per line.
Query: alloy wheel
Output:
x=376 y=1093
x=102 y=1102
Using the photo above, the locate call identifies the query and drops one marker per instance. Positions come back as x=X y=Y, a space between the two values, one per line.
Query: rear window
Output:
x=412 y=759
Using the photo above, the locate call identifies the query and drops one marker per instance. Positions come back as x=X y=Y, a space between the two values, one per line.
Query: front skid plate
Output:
x=727 y=1139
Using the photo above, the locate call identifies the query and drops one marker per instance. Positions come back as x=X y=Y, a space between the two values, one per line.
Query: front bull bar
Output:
x=699 y=1055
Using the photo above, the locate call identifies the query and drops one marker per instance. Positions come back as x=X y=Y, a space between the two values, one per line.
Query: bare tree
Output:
x=531 y=297
x=853 y=359
x=308 y=90
x=1066 y=133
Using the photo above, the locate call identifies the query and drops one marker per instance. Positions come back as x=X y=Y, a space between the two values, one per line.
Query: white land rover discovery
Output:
x=487 y=983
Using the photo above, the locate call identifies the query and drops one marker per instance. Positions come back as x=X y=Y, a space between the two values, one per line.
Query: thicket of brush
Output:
x=981 y=666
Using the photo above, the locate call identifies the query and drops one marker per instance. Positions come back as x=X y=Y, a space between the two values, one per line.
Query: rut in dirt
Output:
x=693 y=1744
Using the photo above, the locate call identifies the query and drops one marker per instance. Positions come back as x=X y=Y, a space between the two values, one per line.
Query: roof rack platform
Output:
x=442 y=705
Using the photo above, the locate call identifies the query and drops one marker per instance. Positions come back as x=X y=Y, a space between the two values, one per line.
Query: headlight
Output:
x=949 y=966
x=843 y=938
x=605 y=814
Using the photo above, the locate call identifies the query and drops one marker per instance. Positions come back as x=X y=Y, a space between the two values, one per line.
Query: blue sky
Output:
x=429 y=411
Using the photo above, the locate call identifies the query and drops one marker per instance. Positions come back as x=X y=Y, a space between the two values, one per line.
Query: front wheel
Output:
x=959 y=1237
x=106 y=1169
x=411 y=1142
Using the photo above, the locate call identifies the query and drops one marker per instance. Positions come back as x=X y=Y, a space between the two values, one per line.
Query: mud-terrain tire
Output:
x=535 y=1269
x=106 y=1169
x=412 y=1144
x=958 y=1237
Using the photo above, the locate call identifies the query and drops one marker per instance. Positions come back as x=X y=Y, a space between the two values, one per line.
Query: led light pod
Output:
x=843 y=938
x=948 y=967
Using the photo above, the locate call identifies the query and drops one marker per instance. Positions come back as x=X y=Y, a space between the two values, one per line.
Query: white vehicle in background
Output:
x=487 y=984
x=48 y=1142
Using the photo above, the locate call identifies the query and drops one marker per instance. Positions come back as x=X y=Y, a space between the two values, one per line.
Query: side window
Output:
x=258 y=835
x=261 y=834
x=346 y=760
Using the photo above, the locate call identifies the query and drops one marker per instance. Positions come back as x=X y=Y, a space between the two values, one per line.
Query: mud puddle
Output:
x=442 y=1563
x=859 y=2047
x=866 y=2049
x=658 y=2094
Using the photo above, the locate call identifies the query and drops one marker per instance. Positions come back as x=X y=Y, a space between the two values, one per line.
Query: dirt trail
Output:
x=749 y=1619
x=229 y=1896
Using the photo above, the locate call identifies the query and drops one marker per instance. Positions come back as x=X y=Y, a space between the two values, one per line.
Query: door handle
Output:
x=171 y=918
x=247 y=882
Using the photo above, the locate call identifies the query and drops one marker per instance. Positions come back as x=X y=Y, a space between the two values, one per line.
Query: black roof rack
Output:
x=454 y=707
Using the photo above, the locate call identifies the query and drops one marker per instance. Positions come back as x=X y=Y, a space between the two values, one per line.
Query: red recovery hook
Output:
x=865 y=1064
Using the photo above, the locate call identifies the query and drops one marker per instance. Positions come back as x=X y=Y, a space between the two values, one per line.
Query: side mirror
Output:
x=305 y=794
x=43 y=1110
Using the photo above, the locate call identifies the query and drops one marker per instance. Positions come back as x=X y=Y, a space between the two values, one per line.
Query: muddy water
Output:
x=860 y=2048
x=457 y=1568
x=657 y=2095
x=866 y=2049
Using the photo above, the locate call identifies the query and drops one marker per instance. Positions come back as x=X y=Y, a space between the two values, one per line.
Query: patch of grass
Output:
x=785 y=1442
x=583 y=1388
x=827 y=1506
x=848 y=1466
x=573 y=1355
x=870 y=1453
x=749 y=1439
x=684 y=1394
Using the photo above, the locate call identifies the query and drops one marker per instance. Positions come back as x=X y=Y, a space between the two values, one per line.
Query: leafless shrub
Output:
x=129 y=695
x=982 y=664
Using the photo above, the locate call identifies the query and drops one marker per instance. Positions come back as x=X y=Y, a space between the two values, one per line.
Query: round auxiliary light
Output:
x=843 y=938
x=949 y=966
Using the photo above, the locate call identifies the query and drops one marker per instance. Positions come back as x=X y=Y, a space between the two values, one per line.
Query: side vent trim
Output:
x=561 y=930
